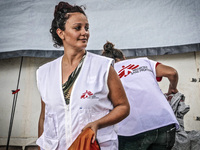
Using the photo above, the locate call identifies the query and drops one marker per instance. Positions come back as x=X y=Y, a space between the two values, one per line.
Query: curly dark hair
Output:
x=60 y=18
x=111 y=52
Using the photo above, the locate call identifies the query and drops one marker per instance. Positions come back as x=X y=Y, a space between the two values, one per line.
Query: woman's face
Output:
x=76 y=32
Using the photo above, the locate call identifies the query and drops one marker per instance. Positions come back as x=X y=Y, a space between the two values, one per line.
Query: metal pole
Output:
x=14 y=105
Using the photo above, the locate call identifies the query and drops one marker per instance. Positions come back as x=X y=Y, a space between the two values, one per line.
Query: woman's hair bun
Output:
x=62 y=6
x=108 y=46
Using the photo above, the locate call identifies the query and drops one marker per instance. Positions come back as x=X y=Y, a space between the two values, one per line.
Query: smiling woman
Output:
x=78 y=90
x=76 y=33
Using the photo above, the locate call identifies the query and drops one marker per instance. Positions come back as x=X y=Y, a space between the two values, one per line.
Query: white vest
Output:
x=88 y=102
x=149 y=109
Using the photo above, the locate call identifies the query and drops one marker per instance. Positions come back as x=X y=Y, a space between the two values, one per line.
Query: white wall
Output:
x=24 y=130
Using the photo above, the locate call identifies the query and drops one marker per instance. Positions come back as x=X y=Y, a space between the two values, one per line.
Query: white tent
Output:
x=149 y=27
x=164 y=30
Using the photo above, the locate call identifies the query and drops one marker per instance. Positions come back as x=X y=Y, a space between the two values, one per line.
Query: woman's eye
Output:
x=86 y=28
x=78 y=28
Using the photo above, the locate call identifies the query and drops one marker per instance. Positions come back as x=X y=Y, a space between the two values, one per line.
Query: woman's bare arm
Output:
x=120 y=102
x=171 y=74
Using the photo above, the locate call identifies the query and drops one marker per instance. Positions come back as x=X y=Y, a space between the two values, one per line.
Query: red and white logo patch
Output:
x=126 y=70
x=86 y=94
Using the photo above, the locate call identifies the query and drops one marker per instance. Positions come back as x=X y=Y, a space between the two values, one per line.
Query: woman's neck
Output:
x=72 y=57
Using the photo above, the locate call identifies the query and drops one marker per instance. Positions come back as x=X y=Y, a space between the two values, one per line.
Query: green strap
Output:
x=68 y=84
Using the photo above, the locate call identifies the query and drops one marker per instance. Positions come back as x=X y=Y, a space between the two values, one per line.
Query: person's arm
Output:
x=119 y=100
x=41 y=120
x=171 y=74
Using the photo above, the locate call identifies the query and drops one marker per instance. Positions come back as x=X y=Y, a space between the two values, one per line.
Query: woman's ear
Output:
x=60 y=33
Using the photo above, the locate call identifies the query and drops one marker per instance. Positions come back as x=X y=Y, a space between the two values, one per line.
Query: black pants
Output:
x=158 y=139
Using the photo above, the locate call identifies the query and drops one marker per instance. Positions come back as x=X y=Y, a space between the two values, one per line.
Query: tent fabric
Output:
x=127 y=52
x=138 y=27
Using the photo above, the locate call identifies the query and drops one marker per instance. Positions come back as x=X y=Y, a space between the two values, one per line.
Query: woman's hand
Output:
x=172 y=90
x=94 y=127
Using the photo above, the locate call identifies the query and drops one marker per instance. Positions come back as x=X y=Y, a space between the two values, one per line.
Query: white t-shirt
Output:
x=149 y=108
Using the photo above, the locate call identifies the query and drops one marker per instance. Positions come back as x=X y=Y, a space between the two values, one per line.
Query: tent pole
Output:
x=14 y=105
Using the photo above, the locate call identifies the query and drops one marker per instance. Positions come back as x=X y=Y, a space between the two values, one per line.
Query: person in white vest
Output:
x=78 y=90
x=151 y=124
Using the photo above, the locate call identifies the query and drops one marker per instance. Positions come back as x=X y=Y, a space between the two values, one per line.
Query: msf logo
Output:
x=126 y=70
x=86 y=94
